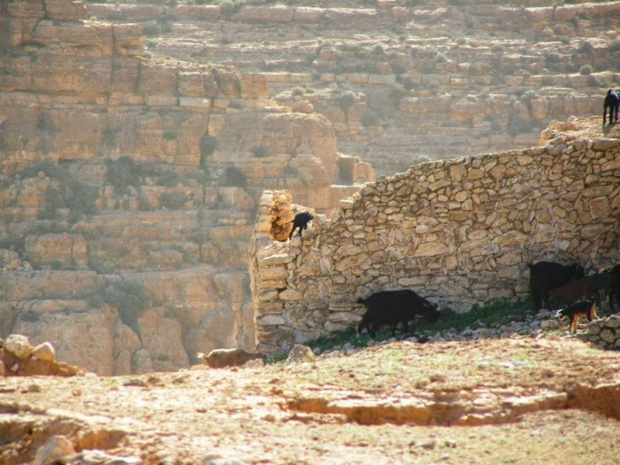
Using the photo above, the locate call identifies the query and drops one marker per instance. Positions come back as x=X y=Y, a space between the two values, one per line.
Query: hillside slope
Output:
x=516 y=400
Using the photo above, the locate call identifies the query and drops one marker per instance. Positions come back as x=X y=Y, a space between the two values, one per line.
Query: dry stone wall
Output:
x=458 y=232
x=604 y=332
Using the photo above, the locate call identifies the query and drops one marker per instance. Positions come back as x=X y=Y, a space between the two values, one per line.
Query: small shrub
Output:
x=130 y=300
x=398 y=69
x=170 y=135
x=344 y=99
x=260 y=151
x=234 y=177
x=396 y=93
x=122 y=173
x=172 y=200
x=230 y=7
x=95 y=301
x=585 y=70
x=208 y=144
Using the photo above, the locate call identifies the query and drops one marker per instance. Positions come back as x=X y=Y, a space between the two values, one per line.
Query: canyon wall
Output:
x=459 y=232
x=129 y=190
x=403 y=81
x=137 y=138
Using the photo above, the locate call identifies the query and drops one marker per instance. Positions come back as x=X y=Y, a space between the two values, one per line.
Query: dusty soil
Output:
x=517 y=400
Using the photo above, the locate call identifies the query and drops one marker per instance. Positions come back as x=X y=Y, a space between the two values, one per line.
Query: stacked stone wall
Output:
x=604 y=333
x=458 y=232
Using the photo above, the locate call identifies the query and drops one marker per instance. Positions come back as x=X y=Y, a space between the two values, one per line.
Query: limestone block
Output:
x=72 y=74
x=290 y=295
x=430 y=249
x=253 y=86
x=273 y=273
x=271 y=320
x=613 y=321
x=65 y=10
x=608 y=336
x=277 y=259
x=85 y=39
x=18 y=345
x=157 y=80
x=600 y=207
x=191 y=84
x=45 y=352
x=195 y=12
x=49 y=249
x=128 y=40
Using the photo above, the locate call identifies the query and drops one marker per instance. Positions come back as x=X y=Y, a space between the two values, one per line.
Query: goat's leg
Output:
x=605 y=115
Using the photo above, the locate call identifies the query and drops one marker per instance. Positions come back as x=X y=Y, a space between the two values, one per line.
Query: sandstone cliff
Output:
x=136 y=139
x=129 y=187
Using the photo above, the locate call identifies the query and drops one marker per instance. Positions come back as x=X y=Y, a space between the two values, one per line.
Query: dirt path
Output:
x=517 y=400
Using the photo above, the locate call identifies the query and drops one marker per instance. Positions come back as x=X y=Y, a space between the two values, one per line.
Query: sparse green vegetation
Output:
x=65 y=192
x=260 y=151
x=130 y=300
x=234 y=177
x=494 y=313
x=122 y=173
x=172 y=200
x=344 y=99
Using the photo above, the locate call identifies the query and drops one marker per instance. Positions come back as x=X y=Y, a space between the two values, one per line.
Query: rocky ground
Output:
x=537 y=398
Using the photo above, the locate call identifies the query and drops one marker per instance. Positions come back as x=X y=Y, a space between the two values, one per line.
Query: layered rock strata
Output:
x=129 y=186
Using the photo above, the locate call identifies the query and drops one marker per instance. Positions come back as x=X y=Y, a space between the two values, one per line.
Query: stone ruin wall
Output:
x=458 y=232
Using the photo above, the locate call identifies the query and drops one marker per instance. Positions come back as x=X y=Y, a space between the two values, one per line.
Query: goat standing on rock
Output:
x=612 y=101
x=300 y=222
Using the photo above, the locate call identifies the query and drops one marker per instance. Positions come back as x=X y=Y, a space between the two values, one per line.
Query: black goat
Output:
x=612 y=101
x=300 y=222
x=614 y=287
x=393 y=307
x=545 y=276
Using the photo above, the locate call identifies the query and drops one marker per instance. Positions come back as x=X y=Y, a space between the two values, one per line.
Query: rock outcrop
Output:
x=19 y=358
x=416 y=80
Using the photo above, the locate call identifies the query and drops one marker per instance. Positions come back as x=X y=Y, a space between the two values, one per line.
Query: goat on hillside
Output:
x=612 y=101
x=545 y=276
x=574 y=289
x=393 y=307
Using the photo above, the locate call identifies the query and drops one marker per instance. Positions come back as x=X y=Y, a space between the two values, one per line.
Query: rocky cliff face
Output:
x=129 y=188
x=137 y=137
x=404 y=81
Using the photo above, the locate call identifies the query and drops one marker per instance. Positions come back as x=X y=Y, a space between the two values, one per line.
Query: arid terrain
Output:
x=551 y=400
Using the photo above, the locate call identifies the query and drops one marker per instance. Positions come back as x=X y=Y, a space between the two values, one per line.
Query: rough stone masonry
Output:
x=458 y=232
